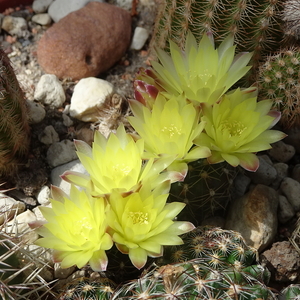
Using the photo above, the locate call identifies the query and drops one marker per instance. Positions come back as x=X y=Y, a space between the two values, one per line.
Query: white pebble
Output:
x=41 y=6
x=9 y=207
x=89 y=96
x=139 y=39
x=36 y=112
x=50 y=91
x=43 y=195
x=15 y=25
x=42 y=19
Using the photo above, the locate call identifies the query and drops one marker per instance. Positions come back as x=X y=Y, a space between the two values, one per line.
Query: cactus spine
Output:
x=14 y=128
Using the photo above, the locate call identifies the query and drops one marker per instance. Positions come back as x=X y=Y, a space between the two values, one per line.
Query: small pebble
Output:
x=139 y=39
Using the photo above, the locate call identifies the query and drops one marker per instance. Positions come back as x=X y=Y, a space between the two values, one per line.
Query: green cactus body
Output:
x=254 y=24
x=86 y=288
x=14 y=128
x=193 y=280
x=205 y=190
x=292 y=292
x=217 y=247
x=279 y=81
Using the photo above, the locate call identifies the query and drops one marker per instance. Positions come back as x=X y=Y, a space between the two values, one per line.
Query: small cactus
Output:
x=206 y=190
x=14 y=128
x=86 y=288
x=279 y=80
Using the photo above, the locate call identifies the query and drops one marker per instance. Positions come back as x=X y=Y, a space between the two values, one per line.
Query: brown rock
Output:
x=254 y=215
x=283 y=261
x=86 y=42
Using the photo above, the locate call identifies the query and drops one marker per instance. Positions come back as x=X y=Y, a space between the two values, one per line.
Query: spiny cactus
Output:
x=206 y=190
x=279 y=80
x=195 y=279
x=292 y=292
x=254 y=24
x=19 y=268
x=14 y=128
x=291 y=20
x=86 y=288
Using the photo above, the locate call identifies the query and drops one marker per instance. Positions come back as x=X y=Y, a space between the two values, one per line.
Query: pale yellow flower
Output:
x=115 y=163
x=142 y=222
x=237 y=127
x=168 y=130
x=76 y=229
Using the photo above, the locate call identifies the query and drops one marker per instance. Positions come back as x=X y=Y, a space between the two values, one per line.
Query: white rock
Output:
x=139 y=39
x=42 y=19
x=36 y=112
x=49 y=136
x=56 y=172
x=19 y=226
x=61 y=152
x=41 y=6
x=9 y=207
x=60 y=8
x=125 y=4
x=15 y=25
x=285 y=210
x=43 y=195
x=50 y=91
x=90 y=95
x=291 y=189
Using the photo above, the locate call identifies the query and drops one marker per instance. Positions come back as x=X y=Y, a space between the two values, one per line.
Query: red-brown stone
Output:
x=86 y=42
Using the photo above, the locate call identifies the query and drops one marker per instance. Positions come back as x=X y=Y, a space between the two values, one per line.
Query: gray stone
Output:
x=285 y=210
x=49 y=136
x=282 y=152
x=255 y=216
x=282 y=172
x=296 y=172
x=61 y=152
x=265 y=173
x=291 y=189
x=36 y=112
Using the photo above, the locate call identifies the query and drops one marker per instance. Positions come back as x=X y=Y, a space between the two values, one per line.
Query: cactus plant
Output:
x=87 y=288
x=254 y=24
x=14 y=128
x=279 y=80
x=20 y=268
x=291 y=292
x=206 y=190
x=195 y=279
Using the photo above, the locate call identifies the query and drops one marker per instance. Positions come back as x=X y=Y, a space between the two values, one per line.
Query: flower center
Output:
x=138 y=217
x=234 y=128
x=81 y=225
x=121 y=169
x=171 y=130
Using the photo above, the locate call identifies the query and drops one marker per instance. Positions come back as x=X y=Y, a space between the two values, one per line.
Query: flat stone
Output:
x=86 y=42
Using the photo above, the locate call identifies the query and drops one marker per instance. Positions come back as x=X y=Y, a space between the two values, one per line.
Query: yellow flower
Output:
x=237 y=127
x=200 y=72
x=141 y=223
x=168 y=130
x=76 y=229
x=115 y=163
